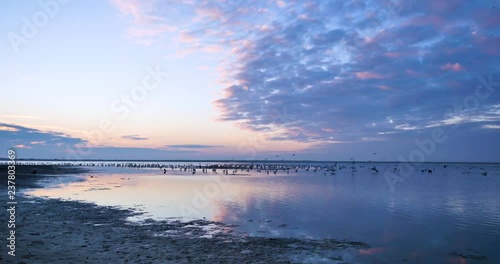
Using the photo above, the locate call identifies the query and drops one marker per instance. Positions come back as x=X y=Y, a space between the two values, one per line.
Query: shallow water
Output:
x=423 y=219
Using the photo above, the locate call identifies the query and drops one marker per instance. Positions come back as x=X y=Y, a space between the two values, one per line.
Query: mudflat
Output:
x=57 y=231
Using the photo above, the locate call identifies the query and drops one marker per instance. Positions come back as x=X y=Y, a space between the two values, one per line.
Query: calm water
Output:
x=456 y=208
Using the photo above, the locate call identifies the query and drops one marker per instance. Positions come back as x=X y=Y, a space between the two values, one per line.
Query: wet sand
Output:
x=28 y=175
x=55 y=231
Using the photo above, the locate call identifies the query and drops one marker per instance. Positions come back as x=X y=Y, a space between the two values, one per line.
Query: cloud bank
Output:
x=341 y=71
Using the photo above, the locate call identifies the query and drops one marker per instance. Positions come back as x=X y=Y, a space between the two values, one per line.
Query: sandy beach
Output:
x=56 y=231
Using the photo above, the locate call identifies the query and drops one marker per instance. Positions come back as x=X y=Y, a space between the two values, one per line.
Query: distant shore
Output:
x=55 y=231
x=253 y=161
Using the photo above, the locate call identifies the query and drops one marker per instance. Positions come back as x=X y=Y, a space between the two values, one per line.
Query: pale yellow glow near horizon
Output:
x=231 y=139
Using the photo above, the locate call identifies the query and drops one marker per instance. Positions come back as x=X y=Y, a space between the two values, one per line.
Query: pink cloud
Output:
x=210 y=13
x=369 y=75
x=393 y=54
x=213 y=49
x=22 y=146
x=384 y=87
x=187 y=38
x=412 y=73
x=452 y=67
x=145 y=26
x=138 y=10
x=128 y=7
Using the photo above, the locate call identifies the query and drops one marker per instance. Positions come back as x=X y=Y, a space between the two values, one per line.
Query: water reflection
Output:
x=427 y=217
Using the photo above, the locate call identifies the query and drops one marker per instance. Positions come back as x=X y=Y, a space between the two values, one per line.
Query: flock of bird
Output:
x=267 y=167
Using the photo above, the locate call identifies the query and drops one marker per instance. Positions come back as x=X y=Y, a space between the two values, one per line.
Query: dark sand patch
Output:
x=27 y=176
x=54 y=231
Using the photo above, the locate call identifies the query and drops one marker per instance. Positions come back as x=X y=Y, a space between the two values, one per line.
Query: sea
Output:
x=407 y=213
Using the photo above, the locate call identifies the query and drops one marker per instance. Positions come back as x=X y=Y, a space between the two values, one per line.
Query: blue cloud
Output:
x=353 y=72
x=34 y=143
x=134 y=137
x=15 y=135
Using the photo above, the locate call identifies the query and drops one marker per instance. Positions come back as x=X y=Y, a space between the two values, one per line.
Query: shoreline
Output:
x=56 y=231
x=32 y=162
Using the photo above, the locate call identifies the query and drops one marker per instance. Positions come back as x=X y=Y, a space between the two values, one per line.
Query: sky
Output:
x=380 y=80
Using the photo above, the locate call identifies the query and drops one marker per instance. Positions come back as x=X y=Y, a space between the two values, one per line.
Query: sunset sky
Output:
x=249 y=79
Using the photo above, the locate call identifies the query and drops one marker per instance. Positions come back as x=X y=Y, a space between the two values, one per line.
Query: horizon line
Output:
x=235 y=160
